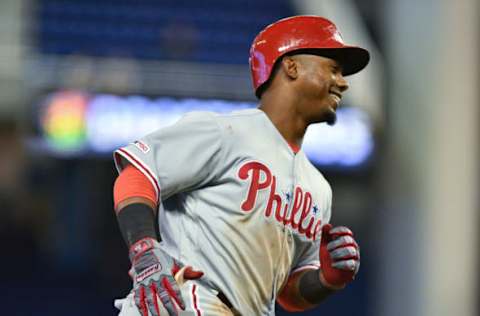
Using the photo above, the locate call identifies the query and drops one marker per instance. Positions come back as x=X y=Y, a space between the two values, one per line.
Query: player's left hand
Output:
x=339 y=256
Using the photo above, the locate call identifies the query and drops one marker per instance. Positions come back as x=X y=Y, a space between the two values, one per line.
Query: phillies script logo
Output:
x=300 y=218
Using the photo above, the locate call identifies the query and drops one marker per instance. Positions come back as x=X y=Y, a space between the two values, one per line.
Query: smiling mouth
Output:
x=336 y=97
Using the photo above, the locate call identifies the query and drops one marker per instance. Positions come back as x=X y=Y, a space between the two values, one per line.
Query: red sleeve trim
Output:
x=130 y=157
x=132 y=183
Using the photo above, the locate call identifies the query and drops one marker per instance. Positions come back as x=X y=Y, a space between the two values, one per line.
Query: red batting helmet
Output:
x=303 y=32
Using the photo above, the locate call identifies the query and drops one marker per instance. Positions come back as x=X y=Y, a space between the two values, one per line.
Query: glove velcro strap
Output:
x=148 y=272
x=142 y=246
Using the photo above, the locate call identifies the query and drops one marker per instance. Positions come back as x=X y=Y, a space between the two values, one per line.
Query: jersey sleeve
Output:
x=177 y=158
x=309 y=258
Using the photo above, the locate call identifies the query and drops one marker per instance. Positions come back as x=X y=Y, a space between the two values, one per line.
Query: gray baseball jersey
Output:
x=237 y=202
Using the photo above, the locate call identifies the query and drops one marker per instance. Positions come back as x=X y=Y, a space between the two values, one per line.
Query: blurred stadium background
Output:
x=80 y=78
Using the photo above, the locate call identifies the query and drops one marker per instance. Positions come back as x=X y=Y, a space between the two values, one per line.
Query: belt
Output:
x=224 y=299
x=227 y=303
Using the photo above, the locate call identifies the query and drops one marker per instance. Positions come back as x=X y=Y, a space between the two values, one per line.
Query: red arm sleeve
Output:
x=290 y=298
x=131 y=182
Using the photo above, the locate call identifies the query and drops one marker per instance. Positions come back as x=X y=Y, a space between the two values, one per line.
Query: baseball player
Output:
x=243 y=216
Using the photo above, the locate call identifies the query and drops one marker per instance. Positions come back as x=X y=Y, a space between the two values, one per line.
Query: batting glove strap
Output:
x=142 y=246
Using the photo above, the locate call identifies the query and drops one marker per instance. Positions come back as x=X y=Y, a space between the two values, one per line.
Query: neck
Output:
x=282 y=112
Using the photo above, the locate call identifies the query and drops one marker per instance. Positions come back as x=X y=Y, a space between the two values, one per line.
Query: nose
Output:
x=341 y=83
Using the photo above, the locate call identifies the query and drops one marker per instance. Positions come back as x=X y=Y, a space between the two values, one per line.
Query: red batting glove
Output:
x=339 y=256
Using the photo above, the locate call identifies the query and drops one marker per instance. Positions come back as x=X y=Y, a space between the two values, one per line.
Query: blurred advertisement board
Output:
x=74 y=124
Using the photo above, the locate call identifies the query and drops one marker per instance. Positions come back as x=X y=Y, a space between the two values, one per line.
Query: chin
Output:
x=328 y=115
x=330 y=118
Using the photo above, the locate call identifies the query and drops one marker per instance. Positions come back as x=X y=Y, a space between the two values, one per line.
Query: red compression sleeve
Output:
x=131 y=182
x=289 y=296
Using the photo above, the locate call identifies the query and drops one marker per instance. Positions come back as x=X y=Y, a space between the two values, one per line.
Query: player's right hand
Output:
x=153 y=278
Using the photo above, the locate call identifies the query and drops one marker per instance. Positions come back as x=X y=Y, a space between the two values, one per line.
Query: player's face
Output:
x=320 y=85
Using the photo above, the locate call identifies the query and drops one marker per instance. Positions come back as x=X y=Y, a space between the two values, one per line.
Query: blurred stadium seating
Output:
x=199 y=31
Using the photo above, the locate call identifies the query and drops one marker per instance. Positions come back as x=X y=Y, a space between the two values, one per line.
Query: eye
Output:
x=335 y=69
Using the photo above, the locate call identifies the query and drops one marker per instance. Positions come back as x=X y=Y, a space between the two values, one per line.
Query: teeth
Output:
x=336 y=98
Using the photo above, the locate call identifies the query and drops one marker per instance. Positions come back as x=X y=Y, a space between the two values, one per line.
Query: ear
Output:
x=290 y=67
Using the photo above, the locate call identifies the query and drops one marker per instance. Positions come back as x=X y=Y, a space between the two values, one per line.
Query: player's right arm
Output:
x=152 y=269
x=170 y=160
x=135 y=205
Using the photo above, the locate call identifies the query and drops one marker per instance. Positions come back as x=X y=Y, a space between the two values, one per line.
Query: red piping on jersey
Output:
x=195 y=306
x=143 y=168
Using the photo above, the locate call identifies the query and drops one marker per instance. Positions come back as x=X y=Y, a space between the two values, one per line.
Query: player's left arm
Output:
x=340 y=260
x=304 y=290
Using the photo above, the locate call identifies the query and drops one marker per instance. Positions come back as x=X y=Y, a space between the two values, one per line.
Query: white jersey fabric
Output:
x=237 y=202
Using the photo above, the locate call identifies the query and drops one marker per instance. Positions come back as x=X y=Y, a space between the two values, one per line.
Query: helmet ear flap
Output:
x=275 y=69
x=263 y=87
